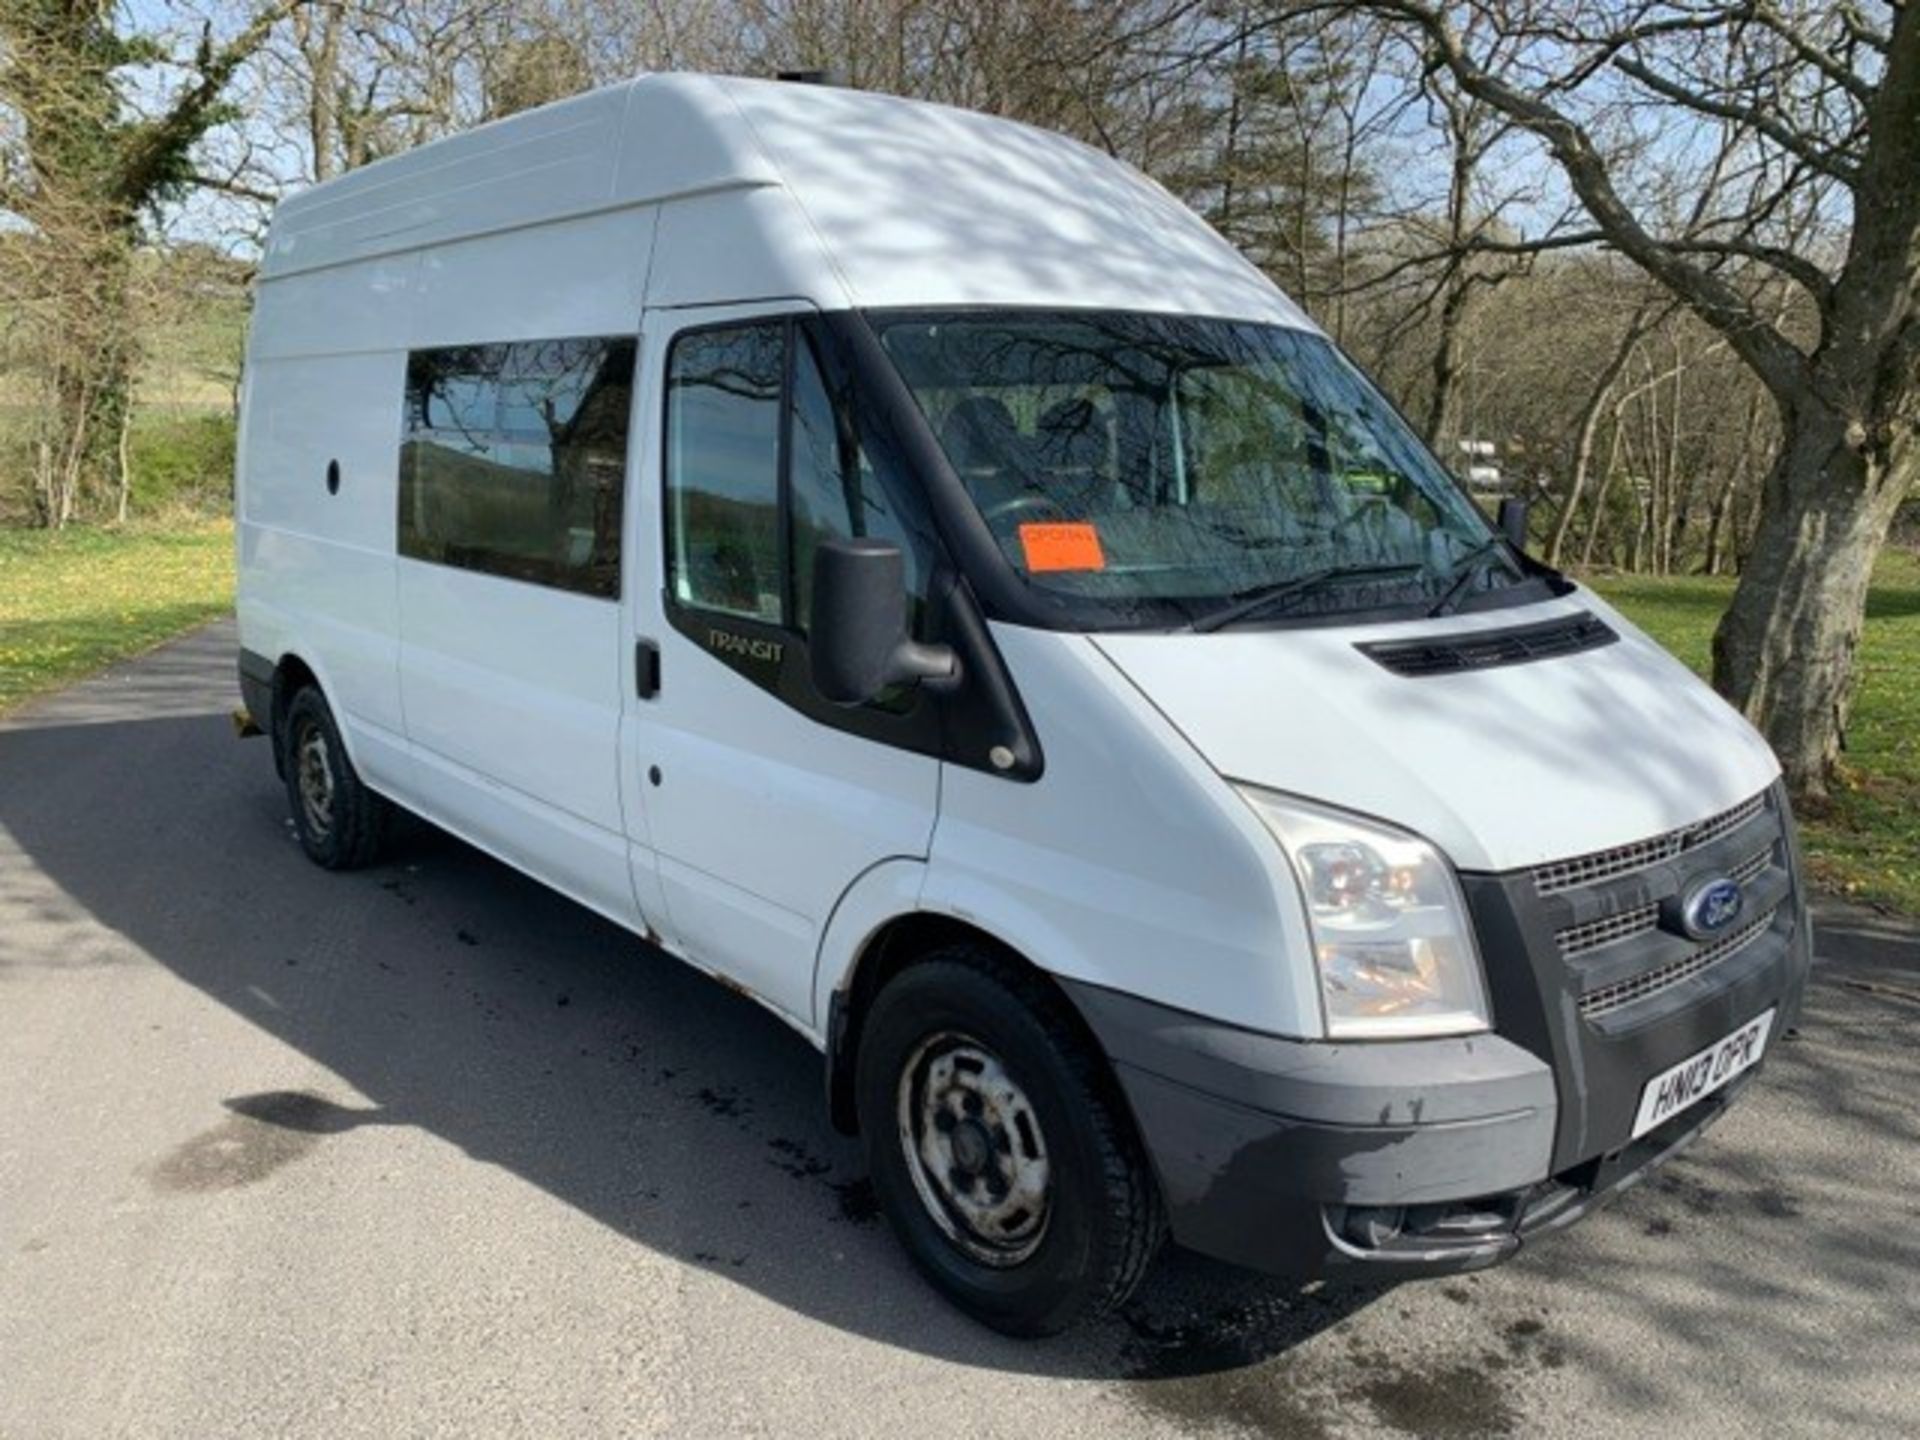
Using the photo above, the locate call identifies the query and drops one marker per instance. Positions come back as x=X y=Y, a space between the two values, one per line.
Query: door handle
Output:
x=646 y=669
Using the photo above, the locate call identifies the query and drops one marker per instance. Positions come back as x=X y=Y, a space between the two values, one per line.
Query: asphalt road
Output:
x=428 y=1150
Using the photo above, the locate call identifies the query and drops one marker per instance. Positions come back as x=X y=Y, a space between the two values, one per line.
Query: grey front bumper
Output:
x=1262 y=1143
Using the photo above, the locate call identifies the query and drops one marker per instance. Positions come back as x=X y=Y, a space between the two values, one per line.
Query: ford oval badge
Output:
x=1711 y=906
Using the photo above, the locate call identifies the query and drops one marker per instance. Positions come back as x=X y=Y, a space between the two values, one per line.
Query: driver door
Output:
x=764 y=803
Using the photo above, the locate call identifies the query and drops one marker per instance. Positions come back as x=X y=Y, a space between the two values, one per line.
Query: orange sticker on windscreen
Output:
x=1073 y=545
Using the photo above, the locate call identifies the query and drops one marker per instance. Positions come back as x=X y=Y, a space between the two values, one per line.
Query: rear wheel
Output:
x=999 y=1147
x=340 y=822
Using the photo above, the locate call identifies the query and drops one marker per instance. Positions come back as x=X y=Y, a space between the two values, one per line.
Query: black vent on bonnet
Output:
x=1483 y=649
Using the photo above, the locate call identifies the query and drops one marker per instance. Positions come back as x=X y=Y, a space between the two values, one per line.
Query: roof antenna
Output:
x=808 y=77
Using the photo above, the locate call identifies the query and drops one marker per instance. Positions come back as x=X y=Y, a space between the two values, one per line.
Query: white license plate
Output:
x=1698 y=1076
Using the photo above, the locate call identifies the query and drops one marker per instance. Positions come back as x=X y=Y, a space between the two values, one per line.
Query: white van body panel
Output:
x=922 y=204
x=739 y=244
x=570 y=279
x=883 y=893
x=1623 y=742
x=1128 y=864
x=532 y=169
x=513 y=703
x=511 y=690
x=316 y=571
x=841 y=196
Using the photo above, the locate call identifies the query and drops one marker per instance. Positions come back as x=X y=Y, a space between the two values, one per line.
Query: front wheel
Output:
x=341 y=823
x=999 y=1146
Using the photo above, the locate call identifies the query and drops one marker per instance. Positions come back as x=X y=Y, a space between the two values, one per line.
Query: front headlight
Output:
x=1391 y=937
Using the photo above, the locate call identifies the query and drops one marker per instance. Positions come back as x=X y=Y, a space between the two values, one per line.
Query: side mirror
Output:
x=1513 y=521
x=859 y=645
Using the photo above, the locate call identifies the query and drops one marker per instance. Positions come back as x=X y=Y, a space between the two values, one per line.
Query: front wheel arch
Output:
x=893 y=948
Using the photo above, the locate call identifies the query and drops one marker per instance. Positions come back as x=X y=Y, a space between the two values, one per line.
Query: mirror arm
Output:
x=937 y=667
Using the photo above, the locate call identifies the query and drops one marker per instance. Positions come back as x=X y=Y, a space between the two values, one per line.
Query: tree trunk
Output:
x=126 y=464
x=1717 y=520
x=1441 y=405
x=1457 y=283
x=1599 y=515
x=1674 y=519
x=1724 y=518
x=1589 y=430
x=1784 y=651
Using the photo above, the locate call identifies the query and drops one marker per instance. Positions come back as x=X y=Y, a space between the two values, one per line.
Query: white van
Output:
x=908 y=566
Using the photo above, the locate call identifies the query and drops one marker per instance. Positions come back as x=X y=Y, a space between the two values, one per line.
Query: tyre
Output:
x=341 y=823
x=999 y=1146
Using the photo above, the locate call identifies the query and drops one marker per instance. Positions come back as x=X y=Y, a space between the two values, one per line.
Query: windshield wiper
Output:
x=1469 y=567
x=1265 y=597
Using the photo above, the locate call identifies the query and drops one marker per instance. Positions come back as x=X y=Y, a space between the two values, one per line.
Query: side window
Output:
x=834 y=489
x=723 y=470
x=514 y=460
x=742 y=402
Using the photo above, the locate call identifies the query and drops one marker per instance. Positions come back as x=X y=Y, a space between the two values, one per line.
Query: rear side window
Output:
x=514 y=460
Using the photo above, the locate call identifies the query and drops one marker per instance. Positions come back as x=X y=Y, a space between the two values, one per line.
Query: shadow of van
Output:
x=459 y=996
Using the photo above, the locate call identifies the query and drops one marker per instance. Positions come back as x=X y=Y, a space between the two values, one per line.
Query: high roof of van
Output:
x=842 y=197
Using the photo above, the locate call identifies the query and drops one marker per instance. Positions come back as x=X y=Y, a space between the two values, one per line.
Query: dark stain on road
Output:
x=1696 y=1195
x=796 y=1160
x=1528 y=1339
x=264 y=1133
x=1261 y=1400
x=1214 y=1368
x=1244 y=1370
x=1444 y=1402
x=859 y=1205
x=722 y=1100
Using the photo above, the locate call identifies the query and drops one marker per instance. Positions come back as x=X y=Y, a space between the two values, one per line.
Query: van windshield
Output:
x=1214 y=471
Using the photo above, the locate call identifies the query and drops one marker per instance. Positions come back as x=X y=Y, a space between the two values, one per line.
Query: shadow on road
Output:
x=456 y=995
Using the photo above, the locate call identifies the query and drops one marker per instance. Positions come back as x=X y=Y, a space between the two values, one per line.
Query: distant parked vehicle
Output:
x=906 y=564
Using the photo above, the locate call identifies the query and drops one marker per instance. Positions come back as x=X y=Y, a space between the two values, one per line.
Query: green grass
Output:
x=1866 y=843
x=73 y=602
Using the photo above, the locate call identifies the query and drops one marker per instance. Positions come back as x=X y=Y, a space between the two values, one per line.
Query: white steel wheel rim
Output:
x=314 y=767
x=972 y=1142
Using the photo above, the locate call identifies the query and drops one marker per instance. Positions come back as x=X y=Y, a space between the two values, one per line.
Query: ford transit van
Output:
x=905 y=564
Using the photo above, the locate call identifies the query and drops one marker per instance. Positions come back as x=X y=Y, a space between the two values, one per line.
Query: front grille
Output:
x=1650 y=983
x=1579 y=939
x=1625 y=859
x=1595 y=977
x=1482 y=649
x=1752 y=866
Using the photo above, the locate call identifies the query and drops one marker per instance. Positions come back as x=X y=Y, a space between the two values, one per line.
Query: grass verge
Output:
x=1865 y=844
x=76 y=600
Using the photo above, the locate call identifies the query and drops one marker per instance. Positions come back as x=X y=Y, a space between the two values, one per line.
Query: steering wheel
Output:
x=1017 y=504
